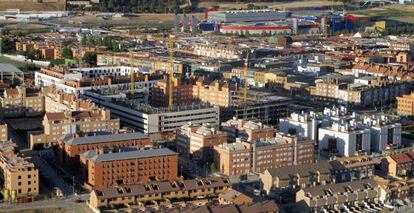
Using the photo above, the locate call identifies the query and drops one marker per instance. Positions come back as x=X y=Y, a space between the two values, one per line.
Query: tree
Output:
x=213 y=168
x=90 y=58
x=8 y=45
x=67 y=53
x=16 y=82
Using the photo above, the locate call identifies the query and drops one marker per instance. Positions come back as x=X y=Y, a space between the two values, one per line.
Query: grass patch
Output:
x=402 y=12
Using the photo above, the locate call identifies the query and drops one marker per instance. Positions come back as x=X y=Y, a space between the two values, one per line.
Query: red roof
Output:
x=401 y=158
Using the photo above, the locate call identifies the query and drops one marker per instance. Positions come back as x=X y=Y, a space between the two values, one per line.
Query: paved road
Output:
x=187 y=165
x=50 y=174
x=67 y=203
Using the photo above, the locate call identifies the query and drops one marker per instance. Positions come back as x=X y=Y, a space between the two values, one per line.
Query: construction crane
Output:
x=246 y=67
x=171 y=71
x=132 y=72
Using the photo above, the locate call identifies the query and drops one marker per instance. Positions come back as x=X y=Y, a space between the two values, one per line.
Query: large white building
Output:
x=344 y=140
x=384 y=133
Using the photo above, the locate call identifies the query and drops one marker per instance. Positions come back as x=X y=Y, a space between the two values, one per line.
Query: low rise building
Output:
x=21 y=101
x=276 y=181
x=102 y=169
x=197 y=141
x=156 y=191
x=337 y=195
x=399 y=165
x=354 y=168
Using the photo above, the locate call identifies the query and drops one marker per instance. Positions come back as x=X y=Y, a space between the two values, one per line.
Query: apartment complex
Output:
x=156 y=191
x=22 y=101
x=365 y=91
x=249 y=130
x=215 y=92
x=339 y=195
x=234 y=159
x=197 y=141
x=103 y=168
x=354 y=168
x=72 y=145
x=21 y=178
x=76 y=81
x=405 y=105
x=58 y=124
x=339 y=132
x=220 y=52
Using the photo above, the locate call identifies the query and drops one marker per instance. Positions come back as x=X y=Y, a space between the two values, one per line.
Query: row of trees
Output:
x=112 y=43
x=140 y=6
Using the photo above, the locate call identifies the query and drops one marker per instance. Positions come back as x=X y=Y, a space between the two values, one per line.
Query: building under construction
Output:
x=135 y=111
x=263 y=106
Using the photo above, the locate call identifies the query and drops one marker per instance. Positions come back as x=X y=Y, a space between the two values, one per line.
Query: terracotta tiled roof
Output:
x=402 y=158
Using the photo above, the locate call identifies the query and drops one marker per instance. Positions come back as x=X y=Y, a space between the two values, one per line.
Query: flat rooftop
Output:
x=71 y=140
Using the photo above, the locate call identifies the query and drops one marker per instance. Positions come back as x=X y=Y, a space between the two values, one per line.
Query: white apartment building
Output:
x=344 y=139
x=384 y=133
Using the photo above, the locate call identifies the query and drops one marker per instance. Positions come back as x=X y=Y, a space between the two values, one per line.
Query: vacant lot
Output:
x=29 y=5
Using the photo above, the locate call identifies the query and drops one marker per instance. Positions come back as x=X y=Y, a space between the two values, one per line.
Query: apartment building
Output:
x=385 y=132
x=76 y=81
x=247 y=129
x=144 y=62
x=215 y=92
x=108 y=168
x=338 y=195
x=216 y=51
x=195 y=141
x=405 y=105
x=21 y=178
x=4 y=131
x=72 y=145
x=292 y=178
x=344 y=140
x=234 y=159
x=58 y=124
x=156 y=191
x=359 y=92
x=21 y=101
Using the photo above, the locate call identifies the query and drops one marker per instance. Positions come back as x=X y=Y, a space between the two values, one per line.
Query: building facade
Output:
x=109 y=169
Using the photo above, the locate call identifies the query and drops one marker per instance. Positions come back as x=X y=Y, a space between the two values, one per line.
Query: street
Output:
x=67 y=203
